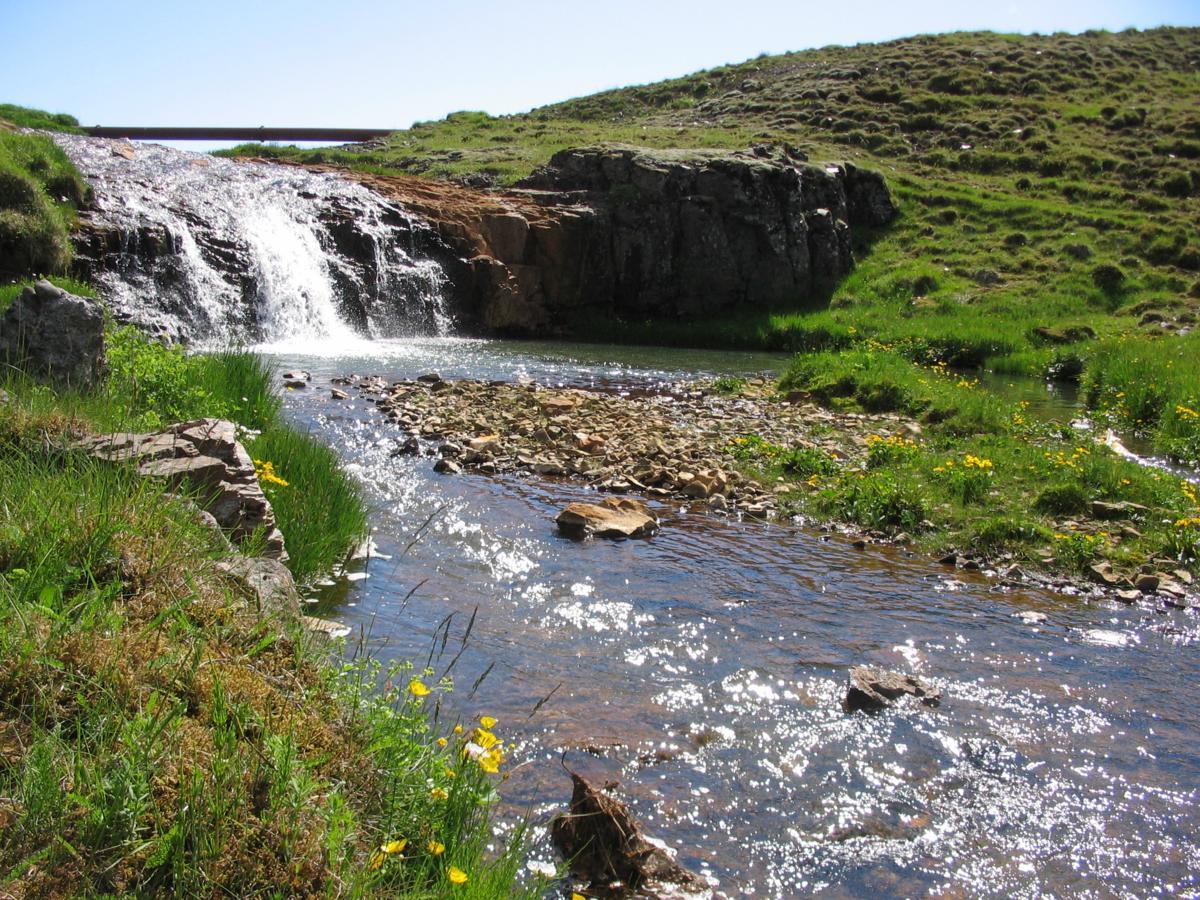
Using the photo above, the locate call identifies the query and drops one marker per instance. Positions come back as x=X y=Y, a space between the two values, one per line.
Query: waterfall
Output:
x=213 y=251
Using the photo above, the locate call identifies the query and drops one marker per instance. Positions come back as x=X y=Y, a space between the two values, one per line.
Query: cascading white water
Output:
x=214 y=251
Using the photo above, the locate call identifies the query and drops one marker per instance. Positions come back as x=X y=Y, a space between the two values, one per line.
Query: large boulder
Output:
x=204 y=459
x=54 y=335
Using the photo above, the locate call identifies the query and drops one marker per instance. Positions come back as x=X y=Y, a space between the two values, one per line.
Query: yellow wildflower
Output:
x=487 y=722
x=456 y=875
x=485 y=739
x=417 y=688
x=265 y=470
x=441 y=742
x=392 y=847
x=437 y=848
x=439 y=794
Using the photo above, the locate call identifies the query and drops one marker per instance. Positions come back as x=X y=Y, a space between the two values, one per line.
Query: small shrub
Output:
x=1078 y=550
x=880 y=499
x=1061 y=499
x=888 y=451
x=805 y=462
x=729 y=384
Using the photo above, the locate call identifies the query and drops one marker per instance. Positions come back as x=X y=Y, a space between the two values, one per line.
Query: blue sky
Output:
x=387 y=64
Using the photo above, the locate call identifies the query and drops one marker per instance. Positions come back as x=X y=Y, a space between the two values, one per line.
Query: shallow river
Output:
x=703 y=669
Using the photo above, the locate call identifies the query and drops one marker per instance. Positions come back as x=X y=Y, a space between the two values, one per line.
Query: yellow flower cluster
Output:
x=1186 y=412
x=1189 y=491
x=977 y=462
x=891 y=441
x=1190 y=522
x=1061 y=459
x=265 y=470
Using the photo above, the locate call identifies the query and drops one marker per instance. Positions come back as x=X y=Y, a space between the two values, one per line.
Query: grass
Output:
x=150 y=385
x=24 y=117
x=1048 y=185
x=1150 y=386
x=40 y=192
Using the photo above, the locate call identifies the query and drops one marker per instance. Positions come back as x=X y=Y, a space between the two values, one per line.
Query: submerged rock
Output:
x=612 y=517
x=54 y=335
x=872 y=689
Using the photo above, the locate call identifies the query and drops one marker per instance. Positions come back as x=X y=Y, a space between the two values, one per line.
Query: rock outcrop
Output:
x=55 y=335
x=204 y=460
x=617 y=231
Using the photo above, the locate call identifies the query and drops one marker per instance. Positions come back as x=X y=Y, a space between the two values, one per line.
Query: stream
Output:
x=703 y=670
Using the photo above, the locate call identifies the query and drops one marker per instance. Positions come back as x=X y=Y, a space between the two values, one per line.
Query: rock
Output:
x=267 y=581
x=336 y=394
x=295 y=383
x=1102 y=573
x=1183 y=575
x=205 y=459
x=1122 y=509
x=668 y=233
x=612 y=517
x=410 y=447
x=484 y=442
x=872 y=688
x=430 y=378
x=1146 y=583
x=447 y=466
x=53 y=335
x=327 y=628
x=604 y=845
x=297 y=375
x=1132 y=595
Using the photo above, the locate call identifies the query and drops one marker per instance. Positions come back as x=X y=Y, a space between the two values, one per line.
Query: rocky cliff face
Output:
x=649 y=234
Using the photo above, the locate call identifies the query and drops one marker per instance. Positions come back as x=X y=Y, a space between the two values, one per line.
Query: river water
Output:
x=703 y=670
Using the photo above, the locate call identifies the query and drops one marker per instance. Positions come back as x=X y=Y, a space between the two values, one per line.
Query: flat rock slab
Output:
x=613 y=518
x=872 y=688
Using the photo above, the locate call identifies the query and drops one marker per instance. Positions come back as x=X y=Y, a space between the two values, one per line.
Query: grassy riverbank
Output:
x=980 y=475
x=156 y=734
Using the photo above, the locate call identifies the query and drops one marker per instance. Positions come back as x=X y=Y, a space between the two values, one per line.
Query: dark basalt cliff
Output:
x=614 y=231
x=677 y=234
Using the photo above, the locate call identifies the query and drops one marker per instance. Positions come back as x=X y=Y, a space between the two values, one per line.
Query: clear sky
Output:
x=386 y=64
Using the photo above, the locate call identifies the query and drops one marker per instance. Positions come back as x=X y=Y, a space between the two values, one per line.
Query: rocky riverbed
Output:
x=677 y=443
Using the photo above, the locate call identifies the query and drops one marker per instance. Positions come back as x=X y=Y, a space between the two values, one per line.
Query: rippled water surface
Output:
x=703 y=670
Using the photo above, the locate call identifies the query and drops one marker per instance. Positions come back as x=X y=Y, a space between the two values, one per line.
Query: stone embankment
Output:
x=634 y=233
x=675 y=444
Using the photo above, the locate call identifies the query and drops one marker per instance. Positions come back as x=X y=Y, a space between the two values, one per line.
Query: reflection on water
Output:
x=703 y=669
